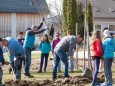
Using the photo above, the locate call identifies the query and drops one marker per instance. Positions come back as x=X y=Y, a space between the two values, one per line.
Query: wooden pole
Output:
x=76 y=49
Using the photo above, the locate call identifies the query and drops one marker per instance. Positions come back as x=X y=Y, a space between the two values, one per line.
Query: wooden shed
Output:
x=17 y=15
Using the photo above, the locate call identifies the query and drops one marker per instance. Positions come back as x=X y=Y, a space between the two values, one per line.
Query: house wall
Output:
x=104 y=22
x=10 y=23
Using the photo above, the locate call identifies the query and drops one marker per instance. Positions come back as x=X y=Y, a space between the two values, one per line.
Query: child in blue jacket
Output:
x=108 y=46
x=45 y=48
x=2 y=61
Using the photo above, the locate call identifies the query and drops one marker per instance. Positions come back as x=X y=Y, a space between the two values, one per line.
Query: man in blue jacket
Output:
x=16 y=54
x=28 y=45
x=2 y=61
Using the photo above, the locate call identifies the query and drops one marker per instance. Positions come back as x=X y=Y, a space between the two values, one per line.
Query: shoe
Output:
x=95 y=84
x=105 y=84
x=110 y=84
x=44 y=70
x=59 y=70
x=29 y=76
x=39 y=71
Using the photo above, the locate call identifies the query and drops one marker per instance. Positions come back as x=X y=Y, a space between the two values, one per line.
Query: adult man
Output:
x=16 y=54
x=28 y=45
x=67 y=44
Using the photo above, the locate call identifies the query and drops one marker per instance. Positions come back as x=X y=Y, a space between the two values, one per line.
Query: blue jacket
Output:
x=1 y=56
x=108 y=46
x=15 y=49
x=45 y=47
x=30 y=38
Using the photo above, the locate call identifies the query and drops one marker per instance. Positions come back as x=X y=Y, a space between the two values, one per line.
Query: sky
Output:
x=54 y=6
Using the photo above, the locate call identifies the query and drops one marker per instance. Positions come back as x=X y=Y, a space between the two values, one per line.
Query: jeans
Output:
x=1 y=74
x=59 y=65
x=42 y=60
x=27 y=60
x=107 y=69
x=60 y=54
x=17 y=67
x=96 y=62
x=71 y=65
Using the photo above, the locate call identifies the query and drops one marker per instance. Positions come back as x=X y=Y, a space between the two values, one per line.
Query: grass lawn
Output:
x=44 y=76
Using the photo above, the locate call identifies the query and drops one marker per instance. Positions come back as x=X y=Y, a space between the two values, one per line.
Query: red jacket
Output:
x=96 y=48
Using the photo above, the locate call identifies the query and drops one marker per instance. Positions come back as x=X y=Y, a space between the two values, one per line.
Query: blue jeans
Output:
x=27 y=60
x=107 y=69
x=60 y=54
x=71 y=65
x=42 y=60
x=96 y=62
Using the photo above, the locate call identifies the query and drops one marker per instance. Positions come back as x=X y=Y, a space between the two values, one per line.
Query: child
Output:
x=108 y=47
x=45 y=48
x=21 y=38
x=54 y=43
x=96 y=53
x=2 y=61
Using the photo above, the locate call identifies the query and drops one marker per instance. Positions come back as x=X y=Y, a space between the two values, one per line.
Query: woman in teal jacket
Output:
x=108 y=55
x=45 y=48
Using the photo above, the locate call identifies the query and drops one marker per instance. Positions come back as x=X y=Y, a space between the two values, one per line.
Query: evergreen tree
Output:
x=69 y=16
x=90 y=18
x=64 y=17
x=80 y=18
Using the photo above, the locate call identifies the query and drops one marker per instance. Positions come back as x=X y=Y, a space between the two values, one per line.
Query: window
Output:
x=98 y=27
x=112 y=27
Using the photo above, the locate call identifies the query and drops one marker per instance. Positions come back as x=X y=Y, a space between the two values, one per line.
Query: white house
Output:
x=104 y=14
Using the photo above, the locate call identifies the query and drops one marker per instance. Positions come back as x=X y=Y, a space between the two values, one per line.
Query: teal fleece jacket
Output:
x=108 y=46
x=45 y=47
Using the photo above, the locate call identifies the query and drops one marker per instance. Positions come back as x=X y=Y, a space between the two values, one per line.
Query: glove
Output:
x=6 y=63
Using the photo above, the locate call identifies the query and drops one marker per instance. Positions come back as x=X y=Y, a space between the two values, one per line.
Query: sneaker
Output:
x=39 y=72
x=105 y=84
x=110 y=84
x=95 y=84
x=29 y=76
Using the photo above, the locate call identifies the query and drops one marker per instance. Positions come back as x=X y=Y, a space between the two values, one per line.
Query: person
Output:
x=96 y=53
x=54 y=43
x=29 y=44
x=45 y=48
x=21 y=38
x=108 y=45
x=67 y=44
x=71 y=61
x=2 y=61
x=16 y=54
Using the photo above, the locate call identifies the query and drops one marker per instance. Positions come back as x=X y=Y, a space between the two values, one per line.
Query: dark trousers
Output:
x=96 y=62
x=17 y=67
x=42 y=60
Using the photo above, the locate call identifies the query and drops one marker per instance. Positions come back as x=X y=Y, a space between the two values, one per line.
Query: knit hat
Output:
x=106 y=33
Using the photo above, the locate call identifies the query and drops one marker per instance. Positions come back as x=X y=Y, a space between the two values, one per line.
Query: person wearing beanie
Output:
x=108 y=46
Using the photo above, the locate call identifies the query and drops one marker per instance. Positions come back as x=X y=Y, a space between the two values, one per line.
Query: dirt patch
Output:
x=60 y=81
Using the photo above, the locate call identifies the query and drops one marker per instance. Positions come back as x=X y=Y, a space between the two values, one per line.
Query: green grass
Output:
x=48 y=74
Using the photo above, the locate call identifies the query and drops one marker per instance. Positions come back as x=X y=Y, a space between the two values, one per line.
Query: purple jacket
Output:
x=54 y=43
